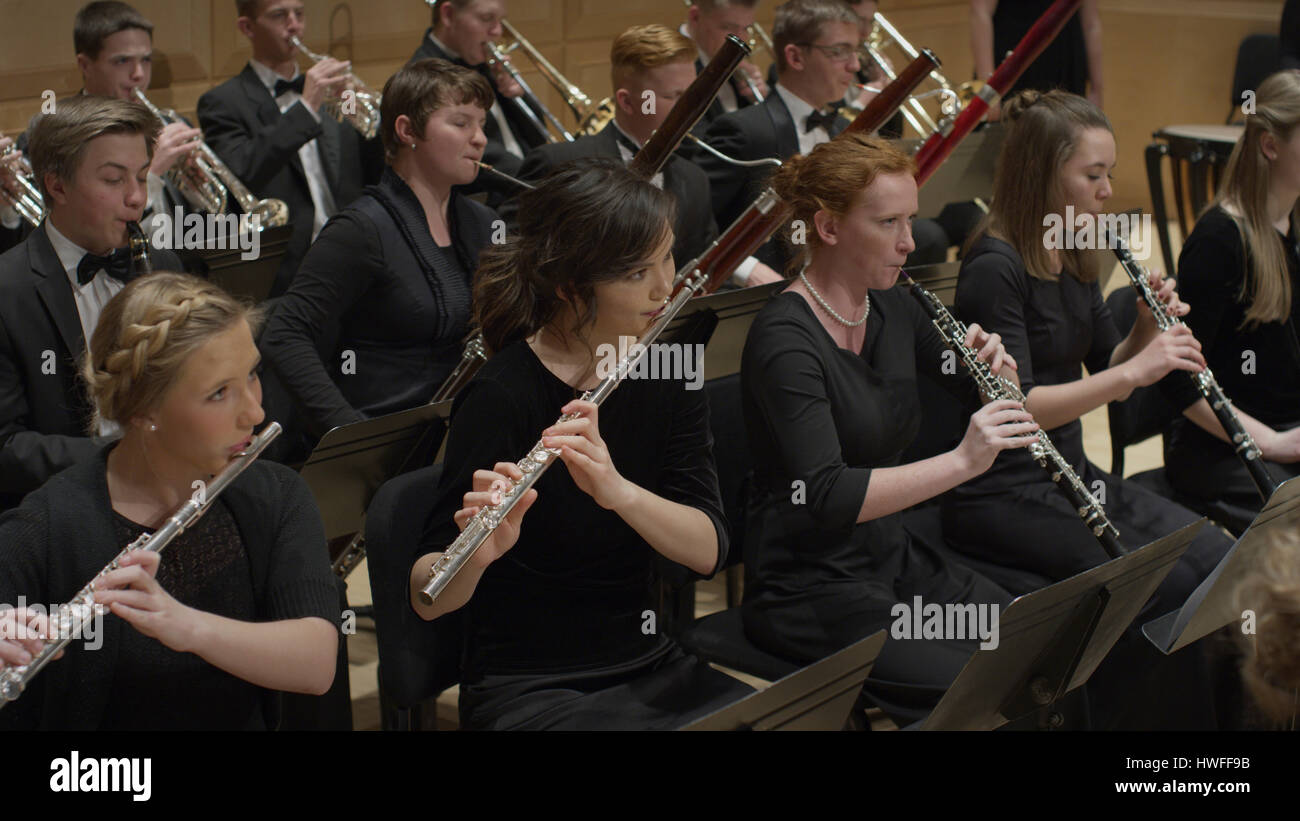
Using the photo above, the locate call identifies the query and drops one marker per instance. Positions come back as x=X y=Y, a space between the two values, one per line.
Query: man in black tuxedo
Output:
x=113 y=44
x=267 y=125
x=513 y=127
x=651 y=68
x=91 y=159
x=708 y=22
x=817 y=60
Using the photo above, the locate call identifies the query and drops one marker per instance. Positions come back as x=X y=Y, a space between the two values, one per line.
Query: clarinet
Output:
x=74 y=615
x=1042 y=450
x=1243 y=442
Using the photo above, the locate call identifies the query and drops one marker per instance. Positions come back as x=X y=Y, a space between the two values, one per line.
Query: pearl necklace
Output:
x=834 y=314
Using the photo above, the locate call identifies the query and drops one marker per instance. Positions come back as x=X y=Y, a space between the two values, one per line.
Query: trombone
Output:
x=29 y=204
x=882 y=36
x=591 y=117
x=206 y=184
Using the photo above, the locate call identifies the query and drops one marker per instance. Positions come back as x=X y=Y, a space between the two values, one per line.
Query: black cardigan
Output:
x=62 y=536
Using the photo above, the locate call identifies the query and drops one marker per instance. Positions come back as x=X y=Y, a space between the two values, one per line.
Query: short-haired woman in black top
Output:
x=377 y=314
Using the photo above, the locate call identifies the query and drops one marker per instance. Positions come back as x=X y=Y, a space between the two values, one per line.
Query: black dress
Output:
x=1258 y=368
x=562 y=632
x=1062 y=64
x=1013 y=515
x=376 y=285
x=258 y=555
x=819 y=419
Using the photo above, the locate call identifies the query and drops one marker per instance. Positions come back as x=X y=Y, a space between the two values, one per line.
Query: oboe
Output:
x=74 y=615
x=1042 y=450
x=1244 y=443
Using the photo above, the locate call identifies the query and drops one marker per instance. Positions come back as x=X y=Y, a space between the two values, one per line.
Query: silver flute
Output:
x=73 y=616
x=1247 y=450
x=489 y=517
x=1042 y=450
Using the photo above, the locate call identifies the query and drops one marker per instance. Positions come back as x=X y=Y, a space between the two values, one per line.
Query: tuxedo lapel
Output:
x=264 y=108
x=787 y=135
x=329 y=148
x=55 y=291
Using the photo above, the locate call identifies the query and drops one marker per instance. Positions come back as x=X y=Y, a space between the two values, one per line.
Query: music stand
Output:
x=221 y=261
x=1050 y=641
x=352 y=461
x=721 y=323
x=818 y=697
x=965 y=175
x=1213 y=603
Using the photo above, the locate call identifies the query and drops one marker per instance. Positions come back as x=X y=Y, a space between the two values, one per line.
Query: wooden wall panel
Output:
x=1166 y=61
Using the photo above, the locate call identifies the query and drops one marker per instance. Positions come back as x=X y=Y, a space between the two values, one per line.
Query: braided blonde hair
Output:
x=144 y=336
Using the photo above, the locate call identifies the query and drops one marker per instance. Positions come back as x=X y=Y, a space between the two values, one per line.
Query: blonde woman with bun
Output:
x=240 y=605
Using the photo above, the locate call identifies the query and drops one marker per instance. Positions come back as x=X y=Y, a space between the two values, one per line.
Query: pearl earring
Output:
x=153 y=427
x=412 y=146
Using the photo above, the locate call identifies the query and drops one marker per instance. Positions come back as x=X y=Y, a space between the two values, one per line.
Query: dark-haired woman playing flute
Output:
x=559 y=604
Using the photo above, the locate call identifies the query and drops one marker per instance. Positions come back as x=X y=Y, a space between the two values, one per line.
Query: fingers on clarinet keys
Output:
x=490 y=487
x=1172 y=349
x=1000 y=425
x=22 y=634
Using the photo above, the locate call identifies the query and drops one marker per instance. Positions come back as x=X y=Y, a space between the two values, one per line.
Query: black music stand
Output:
x=720 y=322
x=818 y=697
x=1050 y=641
x=1213 y=603
x=223 y=262
x=352 y=461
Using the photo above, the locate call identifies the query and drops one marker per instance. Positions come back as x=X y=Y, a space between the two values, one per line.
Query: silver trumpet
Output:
x=74 y=615
x=206 y=188
x=1042 y=450
x=360 y=110
x=30 y=205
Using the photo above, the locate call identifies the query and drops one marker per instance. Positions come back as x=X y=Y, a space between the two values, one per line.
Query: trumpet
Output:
x=357 y=104
x=206 y=184
x=29 y=204
x=76 y=614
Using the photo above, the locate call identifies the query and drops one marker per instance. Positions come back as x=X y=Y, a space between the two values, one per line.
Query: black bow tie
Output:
x=117 y=265
x=818 y=118
x=296 y=84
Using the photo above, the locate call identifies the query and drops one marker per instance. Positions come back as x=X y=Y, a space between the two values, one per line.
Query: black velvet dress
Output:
x=1063 y=63
x=820 y=418
x=562 y=631
x=1258 y=368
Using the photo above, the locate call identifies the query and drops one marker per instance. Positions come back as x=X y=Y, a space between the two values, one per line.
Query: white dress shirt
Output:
x=799 y=111
x=309 y=152
x=507 y=136
x=90 y=298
